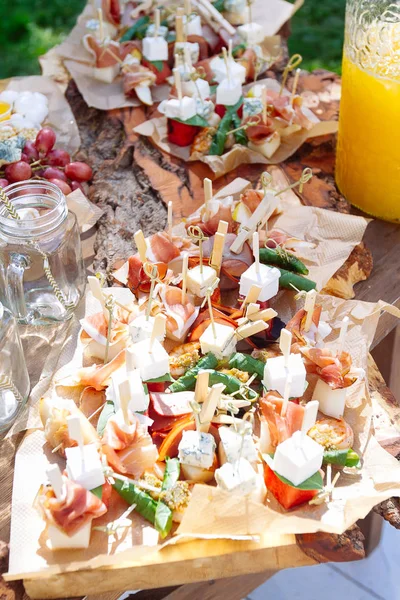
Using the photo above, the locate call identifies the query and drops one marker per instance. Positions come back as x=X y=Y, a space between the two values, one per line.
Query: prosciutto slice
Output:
x=96 y=376
x=111 y=11
x=105 y=55
x=333 y=369
x=73 y=511
x=119 y=436
x=140 y=456
x=134 y=76
x=281 y=427
x=297 y=323
x=180 y=314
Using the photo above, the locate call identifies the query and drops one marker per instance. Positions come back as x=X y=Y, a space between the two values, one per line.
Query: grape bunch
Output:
x=40 y=160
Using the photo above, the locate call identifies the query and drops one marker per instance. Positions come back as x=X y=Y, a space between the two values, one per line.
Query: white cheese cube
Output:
x=234 y=445
x=267 y=278
x=218 y=67
x=269 y=146
x=276 y=374
x=141 y=328
x=192 y=26
x=298 y=457
x=155 y=48
x=197 y=449
x=60 y=540
x=224 y=344
x=193 y=47
x=198 y=281
x=106 y=74
x=238 y=478
x=152 y=364
x=85 y=467
x=331 y=402
x=161 y=32
x=251 y=33
x=139 y=401
x=229 y=92
x=183 y=110
x=198 y=89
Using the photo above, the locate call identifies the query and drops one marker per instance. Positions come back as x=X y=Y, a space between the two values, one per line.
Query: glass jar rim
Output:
x=28 y=227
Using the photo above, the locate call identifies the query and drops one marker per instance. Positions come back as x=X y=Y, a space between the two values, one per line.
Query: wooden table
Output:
x=132 y=182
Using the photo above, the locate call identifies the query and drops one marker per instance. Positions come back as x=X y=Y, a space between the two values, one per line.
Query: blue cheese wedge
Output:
x=235 y=445
x=251 y=107
x=197 y=449
x=240 y=478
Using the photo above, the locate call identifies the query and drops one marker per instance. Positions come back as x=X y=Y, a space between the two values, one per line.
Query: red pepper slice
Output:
x=181 y=134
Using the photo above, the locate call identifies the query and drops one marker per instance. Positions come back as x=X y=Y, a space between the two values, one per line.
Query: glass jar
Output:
x=14 y=378
x=368 y=151
x=42 y=275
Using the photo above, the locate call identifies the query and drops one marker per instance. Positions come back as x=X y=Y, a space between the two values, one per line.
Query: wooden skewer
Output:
x=285 y=343
x=95 y=288
x=180 y=37
x=217 y=252
x=141 y=245
x=158 y=329
x=125 y=397
x=185 y=266
x=210 y=310
x=252 y=295
x=56 y=481
x=188 y=7
x=201 y=389
x=342 y=335
x=209 y=406
x=223 y=227
x=208 y=194
x=75 y=432
x=294 y=88
x=256 y=251
x=265 y=104
x=286 y=395
x=228 y=71
x=156 y=21
x=170 y=220
x=101 y=24
x=309 y=416
x=309 y=305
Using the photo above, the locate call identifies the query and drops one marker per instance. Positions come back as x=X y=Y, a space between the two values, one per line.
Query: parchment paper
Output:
x=222 y=515
x=60 y=117
x=156 y=130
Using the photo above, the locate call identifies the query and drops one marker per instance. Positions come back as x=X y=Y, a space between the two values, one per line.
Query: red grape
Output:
x=18 y=171
x=79 y=171
x=63 y=185
x=75 y=185
x=30 y=151
x=53 y=173
x=24 y=157
x=58 y=158
x=3 y=183
x=45 y=140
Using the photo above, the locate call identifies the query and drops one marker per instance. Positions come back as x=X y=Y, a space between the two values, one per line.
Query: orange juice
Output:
x=5 y=111
x=368 y=151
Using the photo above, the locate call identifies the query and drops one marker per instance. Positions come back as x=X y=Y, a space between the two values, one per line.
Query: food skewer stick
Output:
x=188 y=59
x=170 y=220
x=75 y=433
x=294 y=87
x=294 y=62
x=256 y=251
x=101 y=25
x=124 y=394
x=152 y=273
x=196 y=410
x=309 y=416
x=210 y=310
x=141 y=245
x=56 y=481
x=180 y=37
x=342 y=335
x=252 y=296
x=250 y=11
x=223 y=227
x=201 y=389
x=185 y=266
x=188 y=7
x=304 y=178
x=178 y=85
x=197 y=235
x=285 y=343
x=217 y=252
x=309 y=305
x=230 y=56
x=209 y=406
x=228 y=71
x=264 y=104
x=208 y=194
x=110 y=305
x=95 y=288
x=286 y=394
x=158 y=329
x=156 y=22
x=215 y=15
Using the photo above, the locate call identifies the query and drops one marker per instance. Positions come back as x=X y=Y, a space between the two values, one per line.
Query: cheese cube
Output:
x=193 y=47
x=141 y=328
x=267 y=278
x=235 y=445
x=198 y=281
x=161 y=32
x=155 y=48
x=218 y=67
x=192 y=25
x=85 y=467
x=239 y=478
x=152 y=364
x=106 y=74
x=139 y=401
x=224 y=344
x=183 y=110
x=251 y=107
x=269 y=146
x=276 y=373
x=197 y=449
x=251 y=33
x=229 y=92
x=198 y=89
x=59 y=540
x=298 y=457
x=136 y=397
x=331 y=402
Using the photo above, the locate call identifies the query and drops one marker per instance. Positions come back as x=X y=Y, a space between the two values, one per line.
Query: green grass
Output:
x=28 y=28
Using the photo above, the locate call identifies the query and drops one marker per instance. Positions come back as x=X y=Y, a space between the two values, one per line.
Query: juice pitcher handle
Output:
x=15 y=284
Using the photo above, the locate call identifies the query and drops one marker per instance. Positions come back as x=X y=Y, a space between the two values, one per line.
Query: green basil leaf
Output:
x=344 y=458
x=196 y=121
x=138 y=30
x=213 y=89
x=166 y=377
x=98 y=491
x=163 y=519
x=314 y=482
x=239 y=48
x=171 y=474
x=159 y=65
x=107 y=412
x=219 y=5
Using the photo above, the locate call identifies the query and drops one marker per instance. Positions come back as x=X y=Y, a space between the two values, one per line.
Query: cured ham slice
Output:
x=140 y=456
x=249 y=60
x=119 y=436
x=180 y=314
x=91 y=400
x=252 y=198
x=161 y=248
x=281 y=427
x=96 y=376
x=94 y=327
x=332 y=369
x=137 y=278
x=135 y=76
x=258 y=133
x=111 y=11
x=297 y=323
x=105 y=55
x=76 y=508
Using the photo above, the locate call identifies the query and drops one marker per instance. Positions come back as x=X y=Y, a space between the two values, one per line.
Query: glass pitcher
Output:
x=368 y=150
x=42 y=275
x=14 y=378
